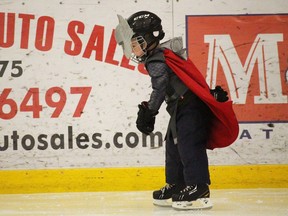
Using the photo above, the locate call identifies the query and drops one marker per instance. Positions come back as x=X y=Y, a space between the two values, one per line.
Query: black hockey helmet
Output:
x=148 y=25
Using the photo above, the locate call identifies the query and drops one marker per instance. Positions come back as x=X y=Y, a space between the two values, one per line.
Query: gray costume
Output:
x=186 y=162
x=166 y=86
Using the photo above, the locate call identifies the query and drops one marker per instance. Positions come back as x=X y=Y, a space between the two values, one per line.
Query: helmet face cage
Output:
x=139 y=51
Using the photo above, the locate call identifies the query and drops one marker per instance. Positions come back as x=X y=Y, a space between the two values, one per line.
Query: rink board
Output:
x=134 y=179
x=68 y=97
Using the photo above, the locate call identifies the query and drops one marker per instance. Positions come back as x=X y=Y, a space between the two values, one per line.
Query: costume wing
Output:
x=123 y=35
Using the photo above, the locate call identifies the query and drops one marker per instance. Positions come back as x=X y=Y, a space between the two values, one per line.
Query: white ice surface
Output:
x=262 y=202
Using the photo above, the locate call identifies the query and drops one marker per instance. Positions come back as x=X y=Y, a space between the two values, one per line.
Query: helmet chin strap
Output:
x=141 y=58
x=152 y=46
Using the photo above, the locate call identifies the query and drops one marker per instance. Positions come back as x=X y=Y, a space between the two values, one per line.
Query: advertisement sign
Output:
x=68 y=96
x=248 y=55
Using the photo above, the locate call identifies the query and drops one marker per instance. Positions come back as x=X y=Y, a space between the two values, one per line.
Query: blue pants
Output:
x=186 y=162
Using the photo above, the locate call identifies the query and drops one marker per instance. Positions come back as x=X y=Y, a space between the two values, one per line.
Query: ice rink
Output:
x=262 y=202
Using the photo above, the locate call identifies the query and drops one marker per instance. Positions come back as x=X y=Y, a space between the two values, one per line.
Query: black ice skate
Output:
x=163 y=196
x=192 y=197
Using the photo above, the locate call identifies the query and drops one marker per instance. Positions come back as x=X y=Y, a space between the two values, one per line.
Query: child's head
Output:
x=148 y=32
x=139 y=34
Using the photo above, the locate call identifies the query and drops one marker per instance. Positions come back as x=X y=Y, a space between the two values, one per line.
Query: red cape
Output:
x=224 y=126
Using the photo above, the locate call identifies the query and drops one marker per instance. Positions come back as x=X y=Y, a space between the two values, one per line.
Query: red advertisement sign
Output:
x=248 y=56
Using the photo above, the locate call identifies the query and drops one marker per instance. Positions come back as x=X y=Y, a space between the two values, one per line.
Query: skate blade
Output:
x=163 y=203
x=202 y=203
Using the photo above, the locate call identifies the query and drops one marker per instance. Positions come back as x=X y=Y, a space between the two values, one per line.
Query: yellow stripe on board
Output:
x=134 y=179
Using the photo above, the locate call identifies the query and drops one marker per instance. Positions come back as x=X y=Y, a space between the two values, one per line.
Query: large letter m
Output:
x=263 y=54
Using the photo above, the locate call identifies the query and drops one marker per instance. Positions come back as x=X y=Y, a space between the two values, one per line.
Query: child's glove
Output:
x=146 y=119
x=219 y=94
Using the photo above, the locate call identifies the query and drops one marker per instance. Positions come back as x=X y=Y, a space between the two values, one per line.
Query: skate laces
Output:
x=167 y=187
x=189 y=188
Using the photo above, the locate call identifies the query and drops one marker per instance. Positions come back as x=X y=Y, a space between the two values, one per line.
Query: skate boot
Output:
x=163 y=196
x=192 y=197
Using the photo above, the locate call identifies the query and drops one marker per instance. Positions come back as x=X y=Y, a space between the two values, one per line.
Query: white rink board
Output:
x=107 y=136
